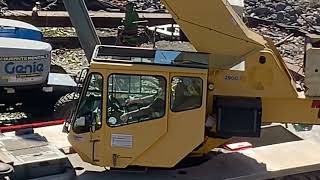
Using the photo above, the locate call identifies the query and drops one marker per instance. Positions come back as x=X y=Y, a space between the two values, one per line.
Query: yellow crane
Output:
x=152 y=108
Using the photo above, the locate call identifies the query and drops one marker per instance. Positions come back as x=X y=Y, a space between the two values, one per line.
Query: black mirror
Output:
x=68 y=121
x=65 y=128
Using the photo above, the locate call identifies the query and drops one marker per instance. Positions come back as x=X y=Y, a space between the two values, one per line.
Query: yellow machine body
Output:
x=152 y=141
x=213 y=28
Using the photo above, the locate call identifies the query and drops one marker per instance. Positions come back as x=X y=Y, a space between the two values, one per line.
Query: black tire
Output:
x=5 y=170
x=65 y=106
x=39 y=110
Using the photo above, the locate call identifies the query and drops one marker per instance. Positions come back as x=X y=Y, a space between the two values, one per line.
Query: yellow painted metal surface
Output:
x=258 y=80
x=144 y=134
x=150 y=138
x=185 y=133
x=208 y=144
x=294 y=110
x=84 y=143
x=81 y=143
x=214 y=28
x=166 y=141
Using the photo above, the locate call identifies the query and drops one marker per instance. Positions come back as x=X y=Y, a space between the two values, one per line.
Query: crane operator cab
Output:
x=140 y=107
x=146 y=107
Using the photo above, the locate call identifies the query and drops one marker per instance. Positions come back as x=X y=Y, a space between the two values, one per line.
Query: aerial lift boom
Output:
x=239 y=99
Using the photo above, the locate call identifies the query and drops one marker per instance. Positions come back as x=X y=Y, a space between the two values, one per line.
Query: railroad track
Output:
x=100 y=19
x=73 y=42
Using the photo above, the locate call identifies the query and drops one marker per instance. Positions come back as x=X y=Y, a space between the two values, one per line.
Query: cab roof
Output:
x=22 y=47
x=134 y=55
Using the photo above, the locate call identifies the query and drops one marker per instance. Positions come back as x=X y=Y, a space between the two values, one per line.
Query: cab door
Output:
x=137 y=114
x=86 y=128
x=188 y=106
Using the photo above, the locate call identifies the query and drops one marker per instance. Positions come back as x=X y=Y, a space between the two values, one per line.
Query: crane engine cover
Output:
x=23 y=62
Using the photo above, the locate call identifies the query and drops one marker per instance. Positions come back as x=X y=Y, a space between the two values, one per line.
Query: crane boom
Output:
x=83 y=25
x=237 y=100
x=212 y=26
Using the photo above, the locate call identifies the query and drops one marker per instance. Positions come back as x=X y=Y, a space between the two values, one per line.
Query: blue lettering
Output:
x=28 y=67
x=11 y=68
x=40 y=67
x=20 y=69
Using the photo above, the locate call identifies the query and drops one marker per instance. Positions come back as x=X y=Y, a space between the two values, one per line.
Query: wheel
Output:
x=5 y=170
x=65 y=106
x=39 y=109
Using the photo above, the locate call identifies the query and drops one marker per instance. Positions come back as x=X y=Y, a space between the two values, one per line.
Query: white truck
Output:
x=26 y=83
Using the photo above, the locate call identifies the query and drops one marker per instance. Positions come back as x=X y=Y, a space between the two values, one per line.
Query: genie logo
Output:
x=12 y=68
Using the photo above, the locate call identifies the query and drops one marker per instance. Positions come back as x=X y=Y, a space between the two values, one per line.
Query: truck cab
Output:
x=138 y=103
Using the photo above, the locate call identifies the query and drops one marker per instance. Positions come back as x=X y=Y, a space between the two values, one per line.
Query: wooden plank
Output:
x=100 y=19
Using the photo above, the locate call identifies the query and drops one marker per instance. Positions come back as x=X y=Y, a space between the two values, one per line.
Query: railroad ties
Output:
x=100 y=19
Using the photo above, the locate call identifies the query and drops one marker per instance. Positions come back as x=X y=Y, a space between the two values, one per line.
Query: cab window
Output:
x=135 y=98
x=89 y=111
x=186 y=93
